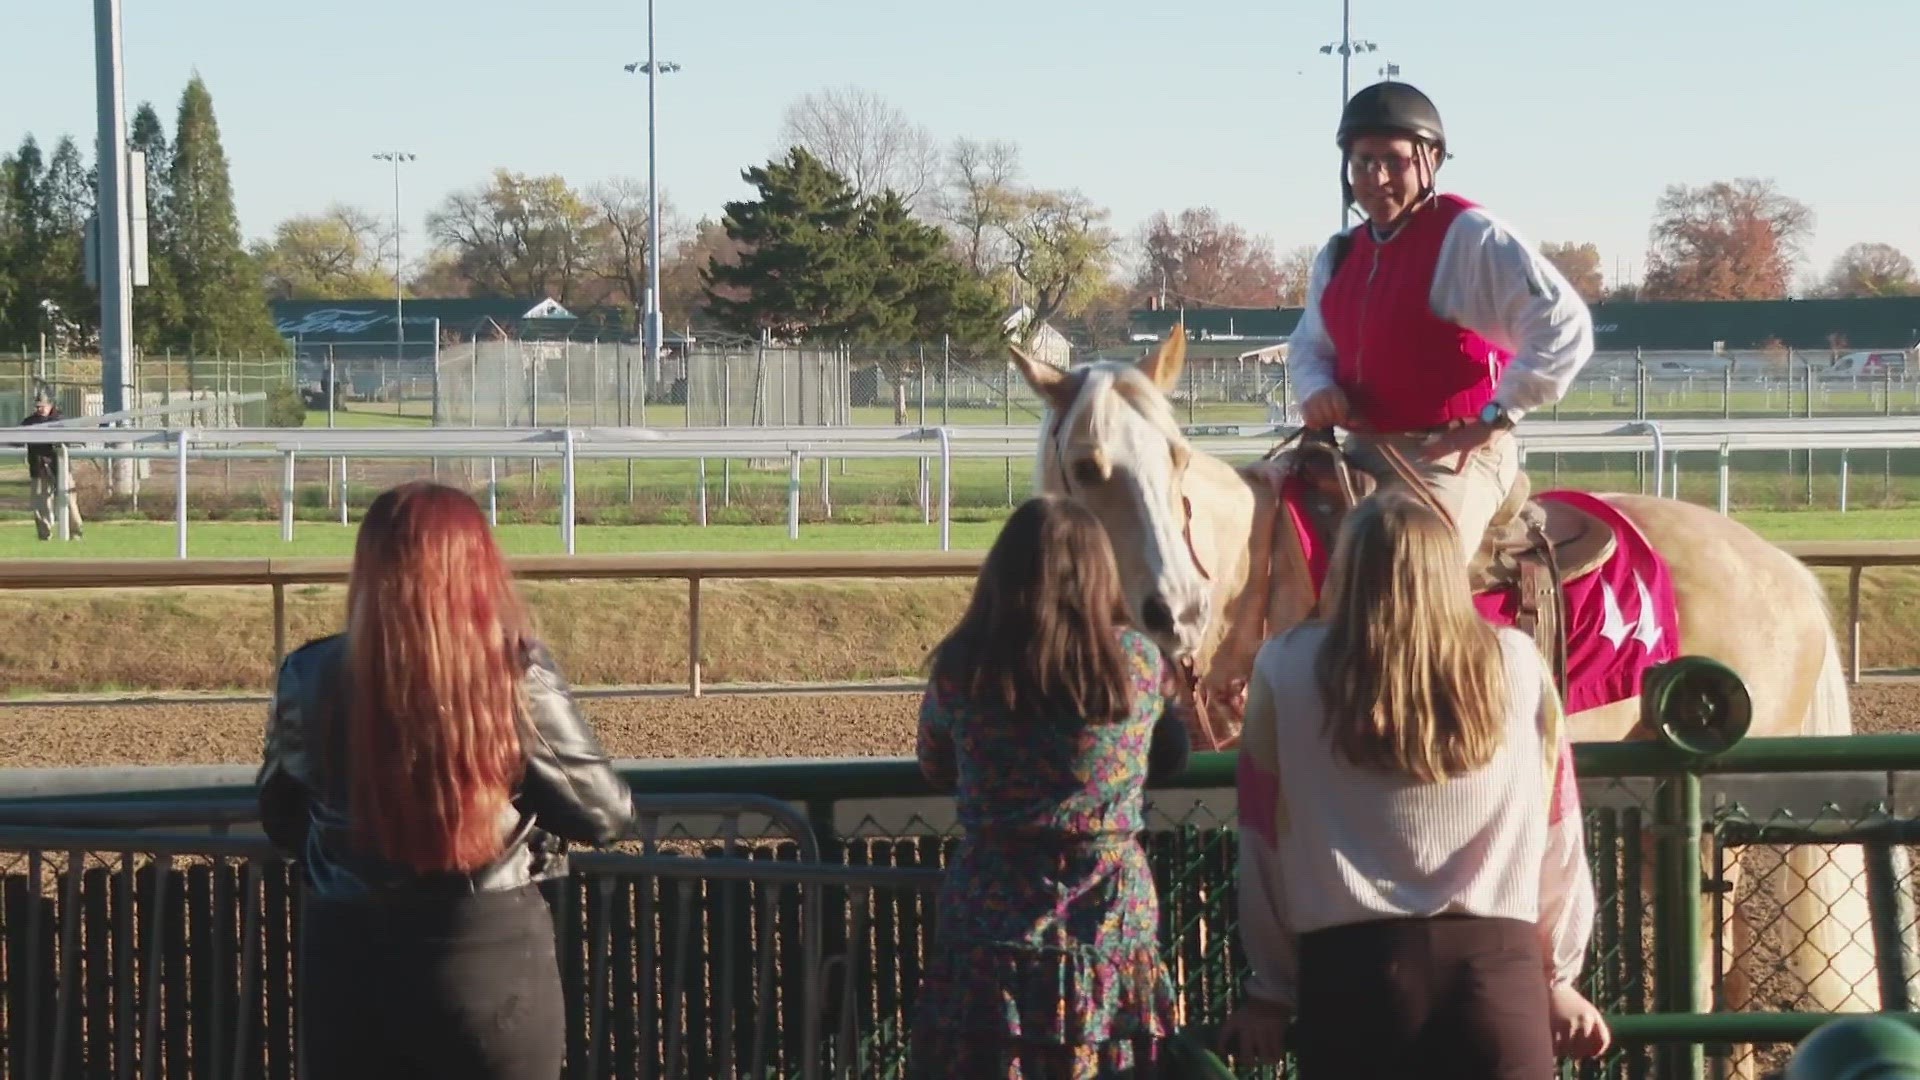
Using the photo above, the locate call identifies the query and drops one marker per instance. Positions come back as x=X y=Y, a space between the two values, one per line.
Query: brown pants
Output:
x=1448 y=997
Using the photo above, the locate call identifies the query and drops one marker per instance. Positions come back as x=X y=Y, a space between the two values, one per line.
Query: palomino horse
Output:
x=1198 y=573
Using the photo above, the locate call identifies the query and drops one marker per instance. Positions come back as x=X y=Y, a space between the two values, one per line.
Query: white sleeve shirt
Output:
x=1491 y=281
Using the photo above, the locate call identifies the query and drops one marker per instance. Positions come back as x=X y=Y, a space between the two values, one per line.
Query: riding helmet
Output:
x=1391 y=108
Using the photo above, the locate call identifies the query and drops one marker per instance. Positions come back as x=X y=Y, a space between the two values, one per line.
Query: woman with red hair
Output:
x=425 y=768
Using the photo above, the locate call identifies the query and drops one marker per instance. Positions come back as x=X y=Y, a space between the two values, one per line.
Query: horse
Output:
x=1201 y=567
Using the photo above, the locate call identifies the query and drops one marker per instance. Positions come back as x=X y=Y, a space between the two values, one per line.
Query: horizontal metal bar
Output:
x=1728 y=1027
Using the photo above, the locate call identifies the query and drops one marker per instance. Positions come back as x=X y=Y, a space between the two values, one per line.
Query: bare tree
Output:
x=980 y=200
x=867 y=141
x=1872 y=270
x=618 y=236
x=1296 y=269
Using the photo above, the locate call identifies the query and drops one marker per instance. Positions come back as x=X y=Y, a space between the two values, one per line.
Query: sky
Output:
x=1568 y=121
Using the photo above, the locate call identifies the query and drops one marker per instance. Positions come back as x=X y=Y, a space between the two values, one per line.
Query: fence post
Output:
x=566 y=489
x=1676 y=904
x=1726 y=474
x=180 y=489
x=793 y=495
x=286 y=499
x=1892 y=906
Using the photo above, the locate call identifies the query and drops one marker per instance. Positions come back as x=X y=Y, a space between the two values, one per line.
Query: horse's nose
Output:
x=1157 y=614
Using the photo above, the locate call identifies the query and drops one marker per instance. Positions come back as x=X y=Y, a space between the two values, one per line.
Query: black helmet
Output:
x=1391 y=108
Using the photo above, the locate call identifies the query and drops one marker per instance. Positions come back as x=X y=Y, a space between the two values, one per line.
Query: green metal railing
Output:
x=880 y=813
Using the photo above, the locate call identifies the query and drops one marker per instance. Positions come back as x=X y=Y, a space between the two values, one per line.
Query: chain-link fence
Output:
x=158 y=378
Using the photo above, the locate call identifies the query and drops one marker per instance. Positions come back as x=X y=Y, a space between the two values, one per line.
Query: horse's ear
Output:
x=1048 y=381
x=1164 y=366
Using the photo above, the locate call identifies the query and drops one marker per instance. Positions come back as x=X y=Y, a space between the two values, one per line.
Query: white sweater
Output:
x=1323 y=843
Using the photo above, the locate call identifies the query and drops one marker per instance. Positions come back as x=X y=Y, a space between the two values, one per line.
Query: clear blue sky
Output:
x=1566 y=119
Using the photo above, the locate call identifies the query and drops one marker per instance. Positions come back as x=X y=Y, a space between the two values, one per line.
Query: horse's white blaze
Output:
x=1135 y=495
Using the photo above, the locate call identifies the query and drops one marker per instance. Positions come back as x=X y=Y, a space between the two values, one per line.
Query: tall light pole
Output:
x=399 y=326
x=651 y=332
x=1346 y=47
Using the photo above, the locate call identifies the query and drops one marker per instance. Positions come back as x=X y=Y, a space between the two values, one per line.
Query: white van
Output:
x=1871 y=364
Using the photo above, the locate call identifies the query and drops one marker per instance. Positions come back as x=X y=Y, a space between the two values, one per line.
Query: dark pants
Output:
x=1434 y=998
x=463 y=986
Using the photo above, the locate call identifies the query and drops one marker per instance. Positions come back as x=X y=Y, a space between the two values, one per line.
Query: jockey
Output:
x=1431 y=328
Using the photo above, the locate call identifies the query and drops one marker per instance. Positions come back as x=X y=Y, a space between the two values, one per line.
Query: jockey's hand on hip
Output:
x=1325 y=408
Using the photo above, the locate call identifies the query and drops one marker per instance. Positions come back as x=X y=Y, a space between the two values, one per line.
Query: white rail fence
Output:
x=1664 y=441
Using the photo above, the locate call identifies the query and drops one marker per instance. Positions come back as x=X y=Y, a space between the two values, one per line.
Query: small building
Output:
x=1048 y=346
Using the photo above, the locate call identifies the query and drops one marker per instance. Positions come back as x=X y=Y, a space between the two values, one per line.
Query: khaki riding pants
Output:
x=45 y=520
x=1472 y=484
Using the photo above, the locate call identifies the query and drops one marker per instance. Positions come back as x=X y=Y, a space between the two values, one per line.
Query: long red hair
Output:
x=434 y=636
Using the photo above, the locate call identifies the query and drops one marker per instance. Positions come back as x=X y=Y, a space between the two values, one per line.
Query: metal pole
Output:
x=180 y=490
x=113 y=226
x=793 y=495
x=946 y=490
x=62 y=483
x=566 y=490
x=493 y=493
x=1677 y=913
x=286 y=500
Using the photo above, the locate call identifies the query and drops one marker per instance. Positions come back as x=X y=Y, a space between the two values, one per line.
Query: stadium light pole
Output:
x=399 y=326
x=651 y=332
x=1346 y=47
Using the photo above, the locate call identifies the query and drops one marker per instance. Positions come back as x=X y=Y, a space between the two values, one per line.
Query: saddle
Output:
x=1533 y=547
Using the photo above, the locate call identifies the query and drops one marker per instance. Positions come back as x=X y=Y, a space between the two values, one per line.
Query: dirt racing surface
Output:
x=725 y=725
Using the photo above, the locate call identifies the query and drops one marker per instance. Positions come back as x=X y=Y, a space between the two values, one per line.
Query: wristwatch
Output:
x=1498 y=416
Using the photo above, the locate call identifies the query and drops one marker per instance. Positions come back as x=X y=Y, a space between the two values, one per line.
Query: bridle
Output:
x=1189 y=676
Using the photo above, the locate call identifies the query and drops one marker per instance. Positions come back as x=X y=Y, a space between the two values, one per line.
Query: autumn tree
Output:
x=1872 y=270
x=1730 y=240
x=1199 y=258
x=1580 y=264
x=1061 y=254
x=518 y=236
x=683 y=294
x=334 y=255
x=866 y=140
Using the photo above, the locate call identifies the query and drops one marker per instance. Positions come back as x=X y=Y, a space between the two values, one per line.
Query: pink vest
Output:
x=1403 y=367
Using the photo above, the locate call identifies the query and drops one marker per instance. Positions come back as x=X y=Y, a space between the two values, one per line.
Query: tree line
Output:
x=204 y=289
x=865 y=229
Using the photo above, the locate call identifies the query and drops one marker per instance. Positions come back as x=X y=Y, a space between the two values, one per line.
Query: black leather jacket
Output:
x=570 y=791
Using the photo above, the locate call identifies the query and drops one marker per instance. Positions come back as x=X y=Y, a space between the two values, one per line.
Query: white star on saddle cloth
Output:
x=1646 y=625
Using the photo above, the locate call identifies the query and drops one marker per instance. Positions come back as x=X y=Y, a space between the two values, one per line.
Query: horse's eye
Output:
x=1087 y=472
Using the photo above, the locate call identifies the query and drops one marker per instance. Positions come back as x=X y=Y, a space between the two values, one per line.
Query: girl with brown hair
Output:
x=1047 y=715
x=424 y=768
x=1412 y=881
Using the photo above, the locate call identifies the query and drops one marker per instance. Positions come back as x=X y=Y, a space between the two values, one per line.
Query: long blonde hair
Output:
x=1410 y=674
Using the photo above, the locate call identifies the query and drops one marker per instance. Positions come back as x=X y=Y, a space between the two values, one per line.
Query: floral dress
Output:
x=1045 y=961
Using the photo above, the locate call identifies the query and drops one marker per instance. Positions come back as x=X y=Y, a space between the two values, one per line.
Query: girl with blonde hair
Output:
x=1412 y=883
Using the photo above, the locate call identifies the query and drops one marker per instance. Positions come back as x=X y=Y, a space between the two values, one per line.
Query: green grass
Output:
x=235 y=539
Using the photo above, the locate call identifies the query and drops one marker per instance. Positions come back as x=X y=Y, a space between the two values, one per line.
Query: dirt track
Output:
x=779 y=725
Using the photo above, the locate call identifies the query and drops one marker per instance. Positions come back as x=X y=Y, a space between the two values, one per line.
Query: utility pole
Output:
x=114 y=227
x=1346 y=47
x=399 y=325
x=651 y=332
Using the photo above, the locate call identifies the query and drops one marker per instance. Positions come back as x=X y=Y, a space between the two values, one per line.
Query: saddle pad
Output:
x=1621 y=619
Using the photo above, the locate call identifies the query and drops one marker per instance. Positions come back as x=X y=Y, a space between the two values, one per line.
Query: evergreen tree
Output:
x=799 y=274
x=9 y=240
x=26 y=251
x=157 y=311
x=818 y=262
x=223 y=303
x=920 y=291
x=69 y=198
